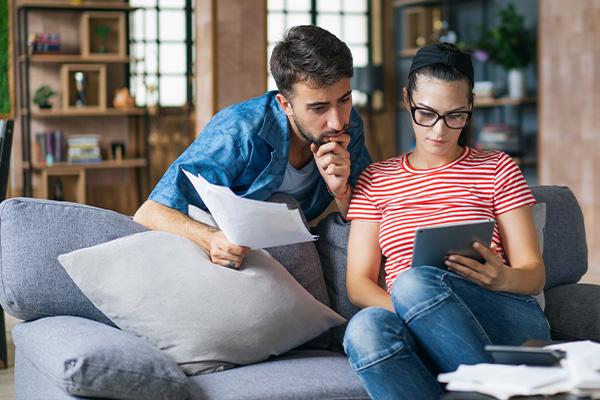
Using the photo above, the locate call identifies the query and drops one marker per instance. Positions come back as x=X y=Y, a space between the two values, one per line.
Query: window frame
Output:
x=314 y=13
x=188 y=42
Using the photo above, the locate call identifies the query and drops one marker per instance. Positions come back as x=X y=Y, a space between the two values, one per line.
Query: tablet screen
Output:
x=434 y=243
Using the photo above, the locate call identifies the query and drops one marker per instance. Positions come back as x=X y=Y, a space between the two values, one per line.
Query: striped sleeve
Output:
x=510 y=188
x=362 y=207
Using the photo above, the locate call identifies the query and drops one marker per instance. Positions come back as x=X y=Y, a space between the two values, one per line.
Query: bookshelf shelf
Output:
x=503 y=101
x=65 y=168
x=67 y=5
x=73 y=58
x=109 y=112
x=493 y=102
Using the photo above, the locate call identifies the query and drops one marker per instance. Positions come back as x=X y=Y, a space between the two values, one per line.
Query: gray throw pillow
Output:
x=207 y=318
x=90 y=359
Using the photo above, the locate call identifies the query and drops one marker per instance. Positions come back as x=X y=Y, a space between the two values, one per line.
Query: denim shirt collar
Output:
x=276 y=129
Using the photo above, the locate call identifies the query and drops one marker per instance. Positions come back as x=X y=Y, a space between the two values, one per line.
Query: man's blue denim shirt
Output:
x=245 y=147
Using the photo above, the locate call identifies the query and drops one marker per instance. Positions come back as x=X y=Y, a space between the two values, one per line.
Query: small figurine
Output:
x=122 y=99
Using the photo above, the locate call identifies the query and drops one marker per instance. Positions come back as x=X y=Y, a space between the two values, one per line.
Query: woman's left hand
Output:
x=490 y=275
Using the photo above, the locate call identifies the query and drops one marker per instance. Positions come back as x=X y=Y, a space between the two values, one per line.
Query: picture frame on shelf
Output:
x=102 y=35
x=83 y=87
x=418 y=26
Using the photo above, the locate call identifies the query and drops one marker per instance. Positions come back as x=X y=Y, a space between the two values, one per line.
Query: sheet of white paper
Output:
x=505 y=381
x=251 y=223
x=582 y=362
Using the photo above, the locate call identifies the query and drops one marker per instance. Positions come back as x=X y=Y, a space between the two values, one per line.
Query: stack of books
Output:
x=499 y=137
x=84 y=149
x=44 y=43
x=48 y=148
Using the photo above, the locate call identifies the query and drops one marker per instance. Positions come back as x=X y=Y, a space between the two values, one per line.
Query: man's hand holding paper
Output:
x=248 y=223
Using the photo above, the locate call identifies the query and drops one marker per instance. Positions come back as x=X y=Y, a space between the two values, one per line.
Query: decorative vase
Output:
x=516 y=83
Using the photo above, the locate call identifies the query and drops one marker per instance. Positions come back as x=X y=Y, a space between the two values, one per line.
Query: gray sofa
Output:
x=68 y=349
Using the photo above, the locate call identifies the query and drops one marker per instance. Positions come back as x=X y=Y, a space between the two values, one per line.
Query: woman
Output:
x=430 y=319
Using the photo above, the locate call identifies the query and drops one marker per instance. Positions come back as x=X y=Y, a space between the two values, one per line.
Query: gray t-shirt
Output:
x=300 y=183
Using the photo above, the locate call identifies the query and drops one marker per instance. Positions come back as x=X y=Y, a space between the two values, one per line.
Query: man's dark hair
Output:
x=309 y=54
x=445 y=72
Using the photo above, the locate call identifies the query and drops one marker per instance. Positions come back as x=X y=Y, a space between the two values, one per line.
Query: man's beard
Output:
x=321 y=139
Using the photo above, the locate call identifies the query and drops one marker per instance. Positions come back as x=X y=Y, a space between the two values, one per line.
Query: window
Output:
x=347 y=19
x=161 y=43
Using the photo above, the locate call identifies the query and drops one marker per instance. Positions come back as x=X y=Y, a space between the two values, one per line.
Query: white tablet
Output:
x=434 y=243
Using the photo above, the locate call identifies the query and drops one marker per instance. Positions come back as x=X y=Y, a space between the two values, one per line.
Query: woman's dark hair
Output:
x=309 y=54
x=444 y=72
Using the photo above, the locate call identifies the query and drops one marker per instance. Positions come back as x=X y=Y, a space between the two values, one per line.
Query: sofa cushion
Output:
x=572 y=311
x=301 y=259
x=332 y=246
x=33 y=233
x=205 y=317
x=565 y=248
x=305 y=374
x=88 y=358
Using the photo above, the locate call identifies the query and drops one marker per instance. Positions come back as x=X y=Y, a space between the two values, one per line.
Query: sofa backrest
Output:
x=33 y=233
x=565 y=247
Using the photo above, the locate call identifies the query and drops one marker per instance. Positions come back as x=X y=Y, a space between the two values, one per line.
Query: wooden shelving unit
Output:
x=134 y=136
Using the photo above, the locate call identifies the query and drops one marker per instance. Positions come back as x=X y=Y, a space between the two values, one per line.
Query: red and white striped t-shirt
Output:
x=478 y=185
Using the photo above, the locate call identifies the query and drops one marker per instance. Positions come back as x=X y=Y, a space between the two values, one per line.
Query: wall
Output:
x=231 y=48
x=569 y=135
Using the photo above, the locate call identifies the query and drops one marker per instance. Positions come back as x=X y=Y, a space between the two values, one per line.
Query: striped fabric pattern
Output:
x=478 y=185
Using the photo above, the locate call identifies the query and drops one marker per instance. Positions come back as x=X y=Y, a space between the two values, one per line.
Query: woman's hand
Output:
x=491 y=275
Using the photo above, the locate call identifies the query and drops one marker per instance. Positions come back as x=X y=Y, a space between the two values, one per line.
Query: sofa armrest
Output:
x=88 y=358
x=573 y=311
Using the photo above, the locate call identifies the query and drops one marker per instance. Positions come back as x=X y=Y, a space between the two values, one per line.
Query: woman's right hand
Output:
x=225 y=253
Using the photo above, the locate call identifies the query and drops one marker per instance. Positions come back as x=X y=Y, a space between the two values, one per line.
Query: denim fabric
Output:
x=440 y=321
x=87 y=358
x=246 y=147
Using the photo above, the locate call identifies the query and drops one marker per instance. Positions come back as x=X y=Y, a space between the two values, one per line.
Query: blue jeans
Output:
x=441 y=320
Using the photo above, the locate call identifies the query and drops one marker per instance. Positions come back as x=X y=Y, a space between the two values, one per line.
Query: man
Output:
x=304 y=140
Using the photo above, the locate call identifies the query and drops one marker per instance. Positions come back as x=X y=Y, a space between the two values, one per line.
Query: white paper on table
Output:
x=505 y=381
x=582 y=362
x=251 y=223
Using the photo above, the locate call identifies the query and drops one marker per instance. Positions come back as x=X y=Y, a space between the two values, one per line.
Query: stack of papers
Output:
x=251 y=223
x=579 y=373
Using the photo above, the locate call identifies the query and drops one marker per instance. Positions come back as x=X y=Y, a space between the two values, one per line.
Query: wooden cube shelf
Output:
x=102 y=35
x=83 y=87
x=418 y=27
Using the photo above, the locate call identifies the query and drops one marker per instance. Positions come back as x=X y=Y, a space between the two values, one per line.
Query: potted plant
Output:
x=42 y=96
x=511 y=46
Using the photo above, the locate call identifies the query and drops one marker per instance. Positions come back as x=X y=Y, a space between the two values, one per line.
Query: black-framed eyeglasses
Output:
x=427 y=117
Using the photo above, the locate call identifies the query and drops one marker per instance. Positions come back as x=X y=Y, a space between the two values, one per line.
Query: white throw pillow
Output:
x=163 y=288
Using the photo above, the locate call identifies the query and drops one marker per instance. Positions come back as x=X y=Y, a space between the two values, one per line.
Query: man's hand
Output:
x=490 y=275
x=333 y=162
x=225 y=253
